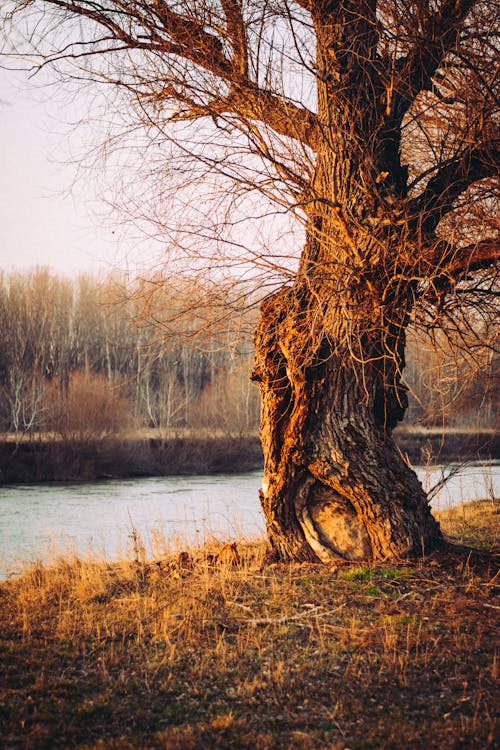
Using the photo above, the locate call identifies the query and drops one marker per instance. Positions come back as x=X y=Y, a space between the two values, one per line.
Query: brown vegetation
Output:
x=44 y=458
x=372 y=127
x=88 y=410
x=215 y=647
x=52 y=460
x=79 y=358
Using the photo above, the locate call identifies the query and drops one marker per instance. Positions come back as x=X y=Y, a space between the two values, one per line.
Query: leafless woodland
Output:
x=342 y=155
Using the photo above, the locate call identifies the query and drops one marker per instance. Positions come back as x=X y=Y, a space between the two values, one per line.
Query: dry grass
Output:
x=133 y=434
x=212 y=649
x=153 y=433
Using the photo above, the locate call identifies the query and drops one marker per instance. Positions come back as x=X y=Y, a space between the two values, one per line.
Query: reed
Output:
x=217 y=647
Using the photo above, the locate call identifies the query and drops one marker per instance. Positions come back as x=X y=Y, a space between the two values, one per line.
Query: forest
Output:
x=90 y=358
x=80 y=356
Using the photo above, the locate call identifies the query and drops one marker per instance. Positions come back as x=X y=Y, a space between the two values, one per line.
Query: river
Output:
x=97 y=519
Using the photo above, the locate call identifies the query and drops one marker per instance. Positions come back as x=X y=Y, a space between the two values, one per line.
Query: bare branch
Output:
x=193 y=41
x=158 y=29
x=284 y=117
x=461 y=262
x=452 y=179
x=439 y=34
x=236 y=31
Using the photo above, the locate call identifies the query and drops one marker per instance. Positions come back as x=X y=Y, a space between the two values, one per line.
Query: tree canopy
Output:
x=374 y=126
x=410 y=88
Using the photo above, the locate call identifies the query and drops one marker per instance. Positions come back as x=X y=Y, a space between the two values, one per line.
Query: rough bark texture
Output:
x=330 y=348
x=335 y=483
x=388 y=78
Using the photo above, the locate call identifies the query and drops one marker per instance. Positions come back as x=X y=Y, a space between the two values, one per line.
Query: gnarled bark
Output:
x=401 y=132
x=335 y=483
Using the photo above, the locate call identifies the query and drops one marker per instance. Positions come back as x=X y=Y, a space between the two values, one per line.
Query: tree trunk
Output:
x=330 y=348
x=335 y=483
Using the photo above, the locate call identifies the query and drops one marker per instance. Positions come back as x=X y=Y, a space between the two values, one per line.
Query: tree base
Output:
x=335 y=484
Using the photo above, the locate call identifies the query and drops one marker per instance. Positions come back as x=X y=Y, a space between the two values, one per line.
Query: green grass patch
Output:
x=356 y=574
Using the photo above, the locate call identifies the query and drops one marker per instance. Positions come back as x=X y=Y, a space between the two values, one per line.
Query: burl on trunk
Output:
x=335 y=484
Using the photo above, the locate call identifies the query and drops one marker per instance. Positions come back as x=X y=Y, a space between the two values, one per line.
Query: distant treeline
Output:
x=87 y=358
x=84 y=358
x=45 y=459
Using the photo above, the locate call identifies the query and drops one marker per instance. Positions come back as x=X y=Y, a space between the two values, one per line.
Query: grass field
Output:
x=217 y=648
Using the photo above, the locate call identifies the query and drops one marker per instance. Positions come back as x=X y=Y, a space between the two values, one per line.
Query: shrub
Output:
x=89 y=409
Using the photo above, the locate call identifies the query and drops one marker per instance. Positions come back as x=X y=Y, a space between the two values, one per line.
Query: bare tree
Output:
x=372 y=124
x=451 y=387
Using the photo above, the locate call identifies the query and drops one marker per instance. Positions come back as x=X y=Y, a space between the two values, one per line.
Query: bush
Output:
x=89 y=409
x=230 y=403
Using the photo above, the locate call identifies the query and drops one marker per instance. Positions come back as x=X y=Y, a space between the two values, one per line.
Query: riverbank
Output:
x=46 y=459
x=55 y=460
x=215 y=648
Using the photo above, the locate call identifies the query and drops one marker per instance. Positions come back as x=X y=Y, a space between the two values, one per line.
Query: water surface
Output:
x=37 y=521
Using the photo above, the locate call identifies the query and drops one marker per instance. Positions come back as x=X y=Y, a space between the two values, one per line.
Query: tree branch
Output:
x=460 y=263
x=306 y=4
x=157 y=28
x=284 y=117
x=439 y=32
x=236 y=32
x=196 y=44
x=451 y=180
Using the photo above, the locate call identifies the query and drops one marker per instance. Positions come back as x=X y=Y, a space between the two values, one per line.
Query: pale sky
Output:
x=49 y=219
x=43 y=219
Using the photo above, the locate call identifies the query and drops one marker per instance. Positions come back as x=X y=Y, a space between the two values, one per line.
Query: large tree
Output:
x=375 y=125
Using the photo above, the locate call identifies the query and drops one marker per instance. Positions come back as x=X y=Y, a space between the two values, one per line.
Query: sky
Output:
x=50 y=217
x=45 y=217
